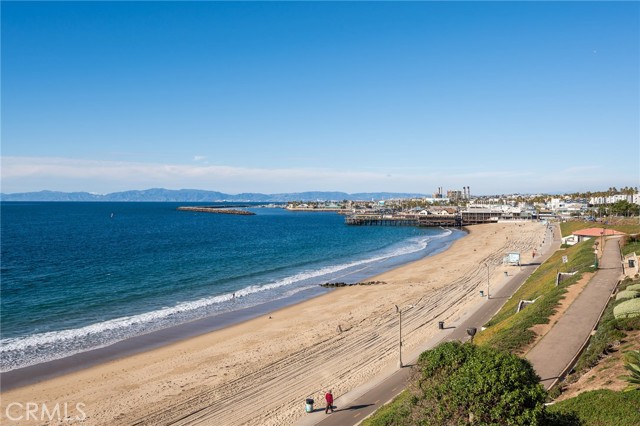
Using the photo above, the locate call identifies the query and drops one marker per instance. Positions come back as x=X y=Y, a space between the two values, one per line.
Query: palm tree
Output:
x=632 y=363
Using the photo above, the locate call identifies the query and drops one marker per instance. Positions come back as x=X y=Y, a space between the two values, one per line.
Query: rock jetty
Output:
x=205 y=209
x=331 y=285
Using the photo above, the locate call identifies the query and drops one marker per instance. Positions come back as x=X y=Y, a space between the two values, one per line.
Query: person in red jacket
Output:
x=329 y=398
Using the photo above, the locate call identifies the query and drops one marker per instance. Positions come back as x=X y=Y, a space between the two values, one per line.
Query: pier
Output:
x=373 y=220
x=445 y=221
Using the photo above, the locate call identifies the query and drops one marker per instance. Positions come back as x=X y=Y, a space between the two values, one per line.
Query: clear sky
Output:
x=280 y=97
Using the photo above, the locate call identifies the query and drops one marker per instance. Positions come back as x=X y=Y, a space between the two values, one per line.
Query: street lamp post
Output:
x=399 y=311
x=488 y=283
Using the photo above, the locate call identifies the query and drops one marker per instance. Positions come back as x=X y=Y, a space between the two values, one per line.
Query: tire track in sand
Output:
x=342 y=361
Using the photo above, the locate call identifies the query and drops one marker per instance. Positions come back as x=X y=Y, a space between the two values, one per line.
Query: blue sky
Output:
x=278 y=97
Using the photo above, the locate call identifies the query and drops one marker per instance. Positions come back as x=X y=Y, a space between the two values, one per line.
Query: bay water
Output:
x=80 y=276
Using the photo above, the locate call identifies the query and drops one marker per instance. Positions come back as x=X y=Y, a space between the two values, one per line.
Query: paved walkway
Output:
x=356 y=405
x=558 y=349
x=555 y=352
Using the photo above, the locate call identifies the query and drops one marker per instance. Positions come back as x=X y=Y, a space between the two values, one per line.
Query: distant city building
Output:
x=612 y=199
x=454 y=195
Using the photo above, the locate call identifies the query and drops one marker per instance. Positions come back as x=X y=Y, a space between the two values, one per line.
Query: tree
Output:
x=624 y=208
x=457 y=383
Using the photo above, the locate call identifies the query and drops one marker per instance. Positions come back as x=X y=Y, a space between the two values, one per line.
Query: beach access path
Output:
x=558 y=350
x=358 y=404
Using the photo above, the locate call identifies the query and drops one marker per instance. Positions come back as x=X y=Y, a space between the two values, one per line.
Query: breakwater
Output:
x=205 y=209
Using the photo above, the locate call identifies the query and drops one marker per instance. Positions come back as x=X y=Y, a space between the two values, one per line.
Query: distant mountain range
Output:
x=196 y=195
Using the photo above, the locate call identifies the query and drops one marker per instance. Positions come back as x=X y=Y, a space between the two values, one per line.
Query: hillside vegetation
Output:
x=511 y=331
x=456 y=384
x=598 y=408
x=628 y=226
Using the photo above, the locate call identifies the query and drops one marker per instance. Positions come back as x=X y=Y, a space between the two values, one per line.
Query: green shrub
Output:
x=456 y=382
x=628 y=324
x=634 y=287
x=627 y=294
x=628 y=309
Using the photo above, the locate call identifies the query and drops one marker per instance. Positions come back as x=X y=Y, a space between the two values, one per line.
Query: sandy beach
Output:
x=259 y=372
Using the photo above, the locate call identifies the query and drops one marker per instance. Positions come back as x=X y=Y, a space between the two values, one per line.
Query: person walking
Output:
x=329 y=398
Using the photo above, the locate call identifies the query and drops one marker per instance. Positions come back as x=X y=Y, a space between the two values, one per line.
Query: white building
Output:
x=612 y=199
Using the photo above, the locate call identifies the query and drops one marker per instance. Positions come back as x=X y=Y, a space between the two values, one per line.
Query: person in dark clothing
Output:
x=329 y=398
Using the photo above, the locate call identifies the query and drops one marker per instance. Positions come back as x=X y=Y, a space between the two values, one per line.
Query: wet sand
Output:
x=259 y=371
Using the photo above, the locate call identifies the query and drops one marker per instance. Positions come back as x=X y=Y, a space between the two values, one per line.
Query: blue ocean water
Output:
x=78 y=276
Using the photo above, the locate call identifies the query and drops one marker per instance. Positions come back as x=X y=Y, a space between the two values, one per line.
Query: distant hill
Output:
x=51 y=196
x=197 y=195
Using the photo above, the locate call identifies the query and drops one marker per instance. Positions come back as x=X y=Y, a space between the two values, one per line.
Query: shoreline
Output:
x=33 y=374
x=338 y=340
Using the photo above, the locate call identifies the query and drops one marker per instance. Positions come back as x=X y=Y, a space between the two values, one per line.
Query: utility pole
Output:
x=399 y=311
x=488 y=283
x=400 y=338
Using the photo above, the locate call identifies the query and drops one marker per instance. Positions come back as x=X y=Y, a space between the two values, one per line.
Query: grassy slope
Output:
x=631 y=248
x=567 y=228
x=509 y=330
x=387 y=414
x=602 y=408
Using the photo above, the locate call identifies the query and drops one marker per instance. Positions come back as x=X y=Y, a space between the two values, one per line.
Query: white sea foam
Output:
x=18 y=352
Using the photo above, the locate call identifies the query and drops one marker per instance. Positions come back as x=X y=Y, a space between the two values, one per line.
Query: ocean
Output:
x=81 y=276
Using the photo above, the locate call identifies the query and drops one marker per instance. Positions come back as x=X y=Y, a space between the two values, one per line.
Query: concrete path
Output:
x=559 y=348
x=356 y=405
